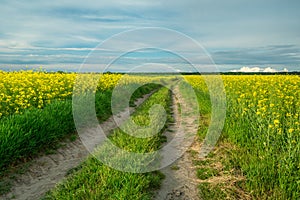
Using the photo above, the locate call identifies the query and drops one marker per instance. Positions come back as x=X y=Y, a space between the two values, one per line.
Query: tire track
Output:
x=180 y=182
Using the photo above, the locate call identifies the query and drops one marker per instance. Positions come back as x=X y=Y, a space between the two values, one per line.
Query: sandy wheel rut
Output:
x=180 y=181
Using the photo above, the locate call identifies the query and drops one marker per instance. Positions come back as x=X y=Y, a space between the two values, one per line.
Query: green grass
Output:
x=269 y=160
x=24 y=135
x=267 y=157
x=28 y=133
x=94 y=180
x=4 y=187
x=211 y=192
x=97 y=181
x=205 y=173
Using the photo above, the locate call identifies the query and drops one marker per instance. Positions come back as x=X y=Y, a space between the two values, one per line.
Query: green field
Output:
x=256 y=157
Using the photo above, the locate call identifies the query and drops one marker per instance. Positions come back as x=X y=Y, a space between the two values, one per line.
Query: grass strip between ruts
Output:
x=94 y=180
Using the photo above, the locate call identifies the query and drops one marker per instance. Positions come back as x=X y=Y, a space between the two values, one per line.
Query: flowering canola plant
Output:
x=26 y=89
x=263 y=115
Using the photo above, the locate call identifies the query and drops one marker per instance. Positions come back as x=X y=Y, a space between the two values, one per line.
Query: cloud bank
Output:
x=258 y=69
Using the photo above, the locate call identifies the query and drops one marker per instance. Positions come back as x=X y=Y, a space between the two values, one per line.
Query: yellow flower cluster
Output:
x=272 y=100
x=262 y=120
x=24 y=89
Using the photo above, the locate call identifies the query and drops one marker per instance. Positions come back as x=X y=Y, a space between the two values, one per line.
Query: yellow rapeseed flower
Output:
x=291 y=130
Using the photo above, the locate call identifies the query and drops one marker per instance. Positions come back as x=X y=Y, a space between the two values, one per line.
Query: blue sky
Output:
x=60 y=34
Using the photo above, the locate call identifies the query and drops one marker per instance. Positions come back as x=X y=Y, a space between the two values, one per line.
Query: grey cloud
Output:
x=275 y=54
x=234 y=31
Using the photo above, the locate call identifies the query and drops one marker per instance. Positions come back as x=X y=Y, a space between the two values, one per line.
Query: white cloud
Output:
x=247 y=69
x=258 y=69
x=269 y=69
x=285 y=70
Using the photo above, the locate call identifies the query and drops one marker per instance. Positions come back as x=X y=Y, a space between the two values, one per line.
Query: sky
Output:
x=236 y=35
